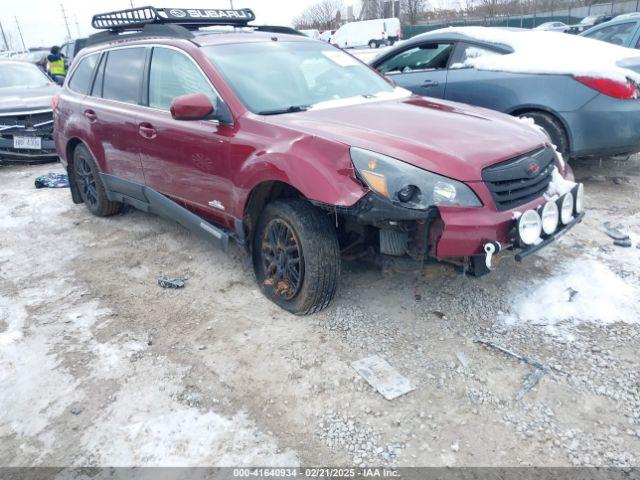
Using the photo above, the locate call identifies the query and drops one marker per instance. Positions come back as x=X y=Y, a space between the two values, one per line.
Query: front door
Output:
x=421 y=69
x=186 y=160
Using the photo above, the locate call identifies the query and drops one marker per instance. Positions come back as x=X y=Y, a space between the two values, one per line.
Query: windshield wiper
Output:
x=291 y=109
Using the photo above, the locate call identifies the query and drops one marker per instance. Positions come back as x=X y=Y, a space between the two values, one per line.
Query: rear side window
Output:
x=467 y=51
x=123 y=74
x=173 y=74
x=81 y=80
x=429 y=56
x=638 y=44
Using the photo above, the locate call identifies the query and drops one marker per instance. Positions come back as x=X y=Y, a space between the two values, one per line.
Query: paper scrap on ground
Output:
x=383 y=377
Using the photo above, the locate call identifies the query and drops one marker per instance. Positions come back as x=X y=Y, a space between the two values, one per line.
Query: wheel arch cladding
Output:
x=72 y=144
x=259 y=197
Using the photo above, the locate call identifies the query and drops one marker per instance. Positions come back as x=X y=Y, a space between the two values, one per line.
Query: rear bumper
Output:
x=604 y=127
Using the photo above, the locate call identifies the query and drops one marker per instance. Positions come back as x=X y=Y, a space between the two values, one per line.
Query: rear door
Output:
x=187 y=160
x=112 y=109
x=420 y=68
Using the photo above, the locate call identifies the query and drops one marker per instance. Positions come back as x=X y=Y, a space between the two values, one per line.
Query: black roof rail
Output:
x=277 y=29
x=137 y=18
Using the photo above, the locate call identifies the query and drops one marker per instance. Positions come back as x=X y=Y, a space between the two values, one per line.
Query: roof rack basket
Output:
x=137 y=18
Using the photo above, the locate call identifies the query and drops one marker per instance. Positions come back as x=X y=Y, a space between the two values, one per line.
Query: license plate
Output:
x=27 y=143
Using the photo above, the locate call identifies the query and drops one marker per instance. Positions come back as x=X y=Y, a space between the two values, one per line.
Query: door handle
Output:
x=146 y=130
x=91 y=115
x=430 y=83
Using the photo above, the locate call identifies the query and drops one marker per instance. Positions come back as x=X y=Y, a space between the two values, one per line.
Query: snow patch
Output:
x=586 y=291
x=542 y=52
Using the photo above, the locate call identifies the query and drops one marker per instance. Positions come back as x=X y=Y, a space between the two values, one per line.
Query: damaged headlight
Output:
x=407 y=185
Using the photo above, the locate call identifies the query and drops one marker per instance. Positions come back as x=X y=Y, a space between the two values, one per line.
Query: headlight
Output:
x=529 y=227
x=578 y=191
x=407 y=185
x=566 y=208
x=550 y=217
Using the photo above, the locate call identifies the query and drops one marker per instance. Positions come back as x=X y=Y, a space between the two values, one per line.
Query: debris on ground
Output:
x=531 y=381
x=623 y=243
x=383 y=377
x=165 y=282
x=615 y=232
x=463 y=359
x=52 y=180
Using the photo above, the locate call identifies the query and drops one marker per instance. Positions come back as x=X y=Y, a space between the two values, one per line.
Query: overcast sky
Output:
x=42 y=23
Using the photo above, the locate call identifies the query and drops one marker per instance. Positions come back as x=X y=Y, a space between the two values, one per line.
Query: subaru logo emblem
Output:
x=533 y=168
x=177 y=13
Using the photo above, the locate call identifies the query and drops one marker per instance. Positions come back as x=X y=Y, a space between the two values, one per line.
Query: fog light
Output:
x=579 y=193
x=529 y=227
x=550 y=217
x=566 y=208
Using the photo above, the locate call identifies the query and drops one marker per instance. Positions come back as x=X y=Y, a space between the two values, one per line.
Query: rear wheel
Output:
x=90 y=186
x=296 y=256
x=553 y=127
x=373 y=44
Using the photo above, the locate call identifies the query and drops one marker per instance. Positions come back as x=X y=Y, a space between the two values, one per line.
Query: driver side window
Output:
x=428 y=56
x=616 y=34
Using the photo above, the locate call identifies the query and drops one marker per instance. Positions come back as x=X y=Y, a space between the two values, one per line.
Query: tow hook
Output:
x=489 y=249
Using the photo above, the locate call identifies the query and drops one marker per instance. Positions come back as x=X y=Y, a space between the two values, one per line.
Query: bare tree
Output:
x=372 y=9
x=323 y=15
x=412 y=10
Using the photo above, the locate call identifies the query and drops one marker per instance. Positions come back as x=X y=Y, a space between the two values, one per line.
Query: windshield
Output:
x=16 y=75
x=281 y=77
x=590 y=19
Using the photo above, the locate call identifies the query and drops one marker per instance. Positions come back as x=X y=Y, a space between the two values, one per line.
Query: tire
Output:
x=90 y=186
x=373 y=44
x=305 y=233
x=553 y=127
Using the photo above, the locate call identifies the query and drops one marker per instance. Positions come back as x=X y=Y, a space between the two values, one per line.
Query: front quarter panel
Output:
x=320 y=169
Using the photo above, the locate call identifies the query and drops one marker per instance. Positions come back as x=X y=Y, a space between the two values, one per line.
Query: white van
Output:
x=315 y=34
x=383 y=31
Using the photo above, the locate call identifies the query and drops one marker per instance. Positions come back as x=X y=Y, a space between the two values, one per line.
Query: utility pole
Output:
x=66 y=22
x=231 y=3
x=4 y=38
x=131 y=3
x=77 y=26
x=24 y=47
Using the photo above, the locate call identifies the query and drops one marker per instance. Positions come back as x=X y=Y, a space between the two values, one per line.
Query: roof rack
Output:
x=137 y=18
x=145 y=22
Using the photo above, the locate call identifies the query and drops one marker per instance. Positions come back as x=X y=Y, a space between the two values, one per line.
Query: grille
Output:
x=521 y=179
x=40 y=124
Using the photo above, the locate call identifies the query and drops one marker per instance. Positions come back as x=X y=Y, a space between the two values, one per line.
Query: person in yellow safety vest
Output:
x=56 y=64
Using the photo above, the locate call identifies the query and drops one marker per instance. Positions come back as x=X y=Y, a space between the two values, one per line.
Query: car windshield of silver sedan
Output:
x=284 y=77
x=24 y=76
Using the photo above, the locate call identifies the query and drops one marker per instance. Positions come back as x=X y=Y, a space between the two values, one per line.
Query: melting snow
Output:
x=585 y=291
x=536 y=51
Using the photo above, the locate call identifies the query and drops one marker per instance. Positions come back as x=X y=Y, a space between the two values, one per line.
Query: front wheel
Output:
x=296 y=256
x=373 y=44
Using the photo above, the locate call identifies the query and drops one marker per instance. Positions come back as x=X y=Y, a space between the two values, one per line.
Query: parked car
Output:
x=553 y=27
x=582 y=116
x=619 y=31
x=26 y=121
x=325 y=35
x=37 y=56
x=588 y=22
x=300 y=162
x=372 y=33
x=71 y=48
x=624 y=16
x=312 y=33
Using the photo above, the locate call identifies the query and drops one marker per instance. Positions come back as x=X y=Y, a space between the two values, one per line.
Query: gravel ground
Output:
x=101 y=366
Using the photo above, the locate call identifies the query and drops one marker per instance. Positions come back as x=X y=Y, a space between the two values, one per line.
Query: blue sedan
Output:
x=583 y=116
x=624 y=30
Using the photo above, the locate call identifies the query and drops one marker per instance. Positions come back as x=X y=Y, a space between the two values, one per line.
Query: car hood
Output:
x=26 y=99
x=447 y=138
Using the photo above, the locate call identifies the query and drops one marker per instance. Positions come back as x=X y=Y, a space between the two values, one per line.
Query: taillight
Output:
x=612 y=88
x=55 y=101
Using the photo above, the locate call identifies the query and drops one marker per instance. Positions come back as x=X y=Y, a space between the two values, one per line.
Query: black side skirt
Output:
x=149 y=200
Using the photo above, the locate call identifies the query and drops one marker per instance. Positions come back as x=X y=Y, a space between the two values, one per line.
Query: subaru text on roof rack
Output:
x=285 y=145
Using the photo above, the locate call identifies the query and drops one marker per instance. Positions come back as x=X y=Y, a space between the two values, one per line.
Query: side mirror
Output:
x=195 y=106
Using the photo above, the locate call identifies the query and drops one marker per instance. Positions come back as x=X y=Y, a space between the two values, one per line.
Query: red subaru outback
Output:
x=298 y=152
